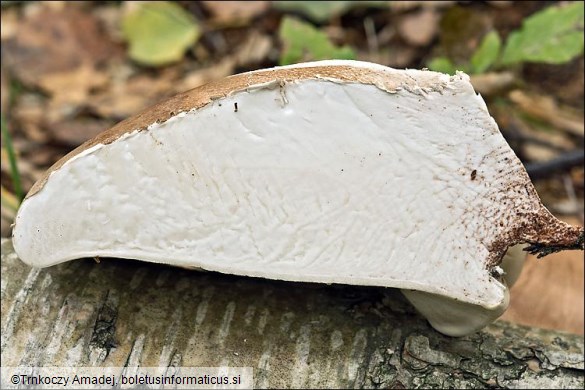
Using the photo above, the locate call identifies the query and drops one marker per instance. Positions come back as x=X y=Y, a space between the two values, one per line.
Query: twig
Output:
x=562 y=163
x=371 y=37
x=12 y=159
x=541 y=142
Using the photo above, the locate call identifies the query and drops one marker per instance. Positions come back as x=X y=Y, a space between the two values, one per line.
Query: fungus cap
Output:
x=334 y=172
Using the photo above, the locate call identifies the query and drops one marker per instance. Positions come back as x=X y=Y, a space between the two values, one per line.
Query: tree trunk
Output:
x=127 y=313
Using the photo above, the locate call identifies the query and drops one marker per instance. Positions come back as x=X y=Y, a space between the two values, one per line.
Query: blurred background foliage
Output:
x=553 y=35
x=73 y=69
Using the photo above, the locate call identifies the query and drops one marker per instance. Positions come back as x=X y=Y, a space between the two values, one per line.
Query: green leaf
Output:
x=321 y=11
x=487 y=52
x=442 y=64
x=553 y=35
x=303 y=42
x=7 y=144
x=159 y=32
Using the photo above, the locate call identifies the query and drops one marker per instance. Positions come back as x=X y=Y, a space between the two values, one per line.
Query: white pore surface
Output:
x=318 y=181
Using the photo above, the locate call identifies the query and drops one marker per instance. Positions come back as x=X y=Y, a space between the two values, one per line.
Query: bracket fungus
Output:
x=333 y=172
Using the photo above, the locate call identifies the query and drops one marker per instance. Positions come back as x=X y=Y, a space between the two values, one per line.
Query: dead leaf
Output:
x=397 y=56
x=71 y=89
x=58 y=48
x=9 y=23
x=4 y=90
x=492 y=83
x=57 y=5
x=534 y=152
x=110 y=17
x=127 y=97
x=44 y=156
x=74 y=132
x=30 y=114
x=419 y=28
x=50 y=41
x=234 y=13
x=29 y=173
x=545 y=108
x=10 y=202
x=7 y=213
x=565 y=207
x=253 y=50
x=199 y=77
x=545 y=145
x=5 y=226
x=406 y=5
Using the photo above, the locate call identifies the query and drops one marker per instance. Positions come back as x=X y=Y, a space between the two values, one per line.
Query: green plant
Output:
x=159 y=32
x=321 y=11
x=303 y=42
x=14 y=173
x=553 y=35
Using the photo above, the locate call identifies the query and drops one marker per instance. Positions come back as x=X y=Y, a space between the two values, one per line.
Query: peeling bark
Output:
x=128 y=313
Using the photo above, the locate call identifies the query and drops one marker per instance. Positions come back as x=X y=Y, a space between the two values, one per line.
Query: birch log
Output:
x=121 y=312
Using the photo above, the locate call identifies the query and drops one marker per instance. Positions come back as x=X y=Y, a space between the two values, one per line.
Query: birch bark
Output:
x=122 y=312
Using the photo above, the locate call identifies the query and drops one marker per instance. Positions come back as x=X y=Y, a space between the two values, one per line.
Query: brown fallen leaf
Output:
x=546 y=108
x=128 y=96
x=71 y=89
x=492 y=83
x=49 y=41
x=74 y=132
x=7 y=211
x=202 y=76
x=397 y=56
x=9 y=19
x=61 y=49
x=406 y=5
x=234 y=13
x=253 y=50
x=110 y=17
x=30 y=113
x=535 y=152
x=4 y=90
x=419 y=28
x=44 y=156
x=28 y=172
x=539 y=145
